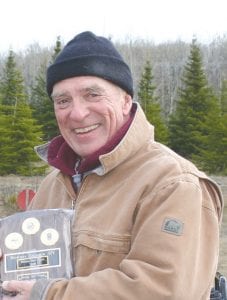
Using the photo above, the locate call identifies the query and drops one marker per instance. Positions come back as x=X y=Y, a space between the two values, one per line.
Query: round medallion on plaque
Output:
x=49 y=237
x=31 y=226
x=13 y=240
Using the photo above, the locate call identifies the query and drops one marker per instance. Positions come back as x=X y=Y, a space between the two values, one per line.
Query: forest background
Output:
x=181 y=86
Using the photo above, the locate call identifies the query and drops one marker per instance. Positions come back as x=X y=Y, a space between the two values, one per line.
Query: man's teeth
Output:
x=86 y=129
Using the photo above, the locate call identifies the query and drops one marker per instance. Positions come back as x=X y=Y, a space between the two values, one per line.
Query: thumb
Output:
x=10 y=285
x=18 y=286
x=6 y=290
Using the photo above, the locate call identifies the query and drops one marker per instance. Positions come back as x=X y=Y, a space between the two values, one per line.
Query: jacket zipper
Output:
x=79 y=183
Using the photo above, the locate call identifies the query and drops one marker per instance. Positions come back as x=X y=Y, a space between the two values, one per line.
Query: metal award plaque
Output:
x=36 y=244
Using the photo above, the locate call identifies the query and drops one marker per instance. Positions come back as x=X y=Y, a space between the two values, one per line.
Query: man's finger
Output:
x=9 y=285
x=21 y=287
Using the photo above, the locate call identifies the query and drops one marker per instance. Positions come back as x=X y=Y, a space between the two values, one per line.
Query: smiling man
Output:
x=146 y=220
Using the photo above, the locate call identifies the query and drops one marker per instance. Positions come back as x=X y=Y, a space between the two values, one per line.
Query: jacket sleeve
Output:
x=173 y=255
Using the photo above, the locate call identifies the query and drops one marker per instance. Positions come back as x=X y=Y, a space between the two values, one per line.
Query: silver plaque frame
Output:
x=35 y=243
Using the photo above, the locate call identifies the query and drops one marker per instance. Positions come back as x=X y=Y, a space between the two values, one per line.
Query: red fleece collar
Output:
x=62 y=157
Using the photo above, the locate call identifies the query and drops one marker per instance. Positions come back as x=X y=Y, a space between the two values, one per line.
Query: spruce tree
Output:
x=7 y=153
x=224 y=97
x=11 y=82
x=19 y=132
x=215 y=158
x=150 y=104
x=41 y=103
x=197 y=113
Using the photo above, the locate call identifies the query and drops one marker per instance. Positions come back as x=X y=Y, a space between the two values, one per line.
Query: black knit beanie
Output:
x=88 y=54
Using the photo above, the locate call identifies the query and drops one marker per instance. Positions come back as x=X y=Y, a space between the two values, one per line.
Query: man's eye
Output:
x=92 y=96
x=62 y=103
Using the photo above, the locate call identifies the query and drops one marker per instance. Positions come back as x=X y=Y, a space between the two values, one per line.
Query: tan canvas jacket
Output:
x=146 y=225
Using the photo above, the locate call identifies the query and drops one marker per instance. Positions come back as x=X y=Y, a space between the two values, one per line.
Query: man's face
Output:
x=89 y=111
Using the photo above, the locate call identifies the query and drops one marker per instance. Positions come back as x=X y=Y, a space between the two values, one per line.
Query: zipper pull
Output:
x=73 y=204
x=77 y=179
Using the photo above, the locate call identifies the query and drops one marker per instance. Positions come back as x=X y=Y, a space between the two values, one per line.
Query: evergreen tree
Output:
x=215 y=158
x=19 y=133
x=224 y=97
x=41 y=103
x=197 y=114
x=211 y=155
x=7 y=153
x=150 y=104
x=11 y=83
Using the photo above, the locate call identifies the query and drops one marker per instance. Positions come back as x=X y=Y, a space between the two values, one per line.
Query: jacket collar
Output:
x=139 y=133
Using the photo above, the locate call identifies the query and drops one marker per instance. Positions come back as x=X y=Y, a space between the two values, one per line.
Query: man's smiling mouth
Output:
x=86 y=129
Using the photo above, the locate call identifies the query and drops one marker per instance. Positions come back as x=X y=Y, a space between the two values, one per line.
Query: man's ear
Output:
x=127 y=104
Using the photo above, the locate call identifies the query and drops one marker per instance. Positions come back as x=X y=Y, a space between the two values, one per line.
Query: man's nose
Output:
x=79 y=110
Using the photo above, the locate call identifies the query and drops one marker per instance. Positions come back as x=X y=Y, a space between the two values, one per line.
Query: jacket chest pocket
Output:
x=94 y=252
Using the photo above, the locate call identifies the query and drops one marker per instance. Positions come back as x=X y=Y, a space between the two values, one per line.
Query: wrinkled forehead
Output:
x=83 y=84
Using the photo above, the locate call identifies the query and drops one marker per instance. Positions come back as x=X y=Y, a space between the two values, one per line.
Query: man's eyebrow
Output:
x=94 y=88
x=57 y=95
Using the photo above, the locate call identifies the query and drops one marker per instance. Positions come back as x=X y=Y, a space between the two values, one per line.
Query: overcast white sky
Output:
x=23 y=22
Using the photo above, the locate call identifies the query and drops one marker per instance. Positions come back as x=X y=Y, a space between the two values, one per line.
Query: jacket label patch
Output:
x=173 y=226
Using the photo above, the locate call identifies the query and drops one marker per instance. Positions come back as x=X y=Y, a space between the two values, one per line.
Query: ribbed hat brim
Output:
x=106 y=67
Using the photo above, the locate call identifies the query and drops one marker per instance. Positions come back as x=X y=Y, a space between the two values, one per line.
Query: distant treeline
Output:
x=167 y=60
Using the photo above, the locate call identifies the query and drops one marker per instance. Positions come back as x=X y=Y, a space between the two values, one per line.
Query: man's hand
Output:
x=22 y=289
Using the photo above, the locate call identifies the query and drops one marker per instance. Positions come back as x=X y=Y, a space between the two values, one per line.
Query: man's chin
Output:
x=87 y=151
